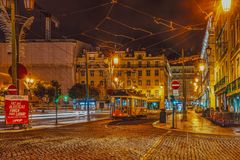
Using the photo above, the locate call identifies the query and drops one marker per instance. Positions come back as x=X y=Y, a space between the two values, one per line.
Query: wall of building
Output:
x=51 y=60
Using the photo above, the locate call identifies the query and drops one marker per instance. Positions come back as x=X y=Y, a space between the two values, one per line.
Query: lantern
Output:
x=226 y=5
x=29 y=4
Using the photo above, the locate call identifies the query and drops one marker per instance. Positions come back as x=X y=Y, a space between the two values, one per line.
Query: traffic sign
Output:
x=175 y=84
x=12 y=90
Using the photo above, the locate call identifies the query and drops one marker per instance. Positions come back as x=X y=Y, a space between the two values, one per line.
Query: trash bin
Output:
x=162 y=116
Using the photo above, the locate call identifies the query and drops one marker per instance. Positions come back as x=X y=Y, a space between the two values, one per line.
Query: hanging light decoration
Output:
x=226 y=5
x=6 y=3
x=29 y=4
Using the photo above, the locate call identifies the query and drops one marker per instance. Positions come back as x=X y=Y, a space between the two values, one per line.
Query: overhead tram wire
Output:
x=171 y=37
x=151 y=16
x=115 y=35
x=85 y=10
x=147 y=36
x=125 y=25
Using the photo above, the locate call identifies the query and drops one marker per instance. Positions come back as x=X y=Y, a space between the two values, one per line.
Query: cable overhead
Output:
x=125 y=25
x=147 y=36
x=115 y=35
x=85 y=10
x=171 y=37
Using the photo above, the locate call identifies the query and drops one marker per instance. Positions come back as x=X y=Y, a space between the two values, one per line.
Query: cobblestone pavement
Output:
x=122 y=140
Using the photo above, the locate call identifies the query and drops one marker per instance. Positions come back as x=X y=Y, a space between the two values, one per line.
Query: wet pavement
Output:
x=116 y=140
x=196 y=124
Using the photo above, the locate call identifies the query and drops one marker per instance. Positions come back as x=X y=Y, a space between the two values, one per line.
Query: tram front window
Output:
x=124 y=105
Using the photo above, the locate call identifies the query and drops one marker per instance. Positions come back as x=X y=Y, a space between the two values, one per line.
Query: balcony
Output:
x=221 y=84
x=233 y=86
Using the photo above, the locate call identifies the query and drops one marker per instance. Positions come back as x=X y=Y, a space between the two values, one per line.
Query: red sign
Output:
x=175 y=84
x=12 y=90
x=16 y=109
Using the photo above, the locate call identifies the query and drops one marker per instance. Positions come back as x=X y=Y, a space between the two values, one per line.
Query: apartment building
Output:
x=143 y=72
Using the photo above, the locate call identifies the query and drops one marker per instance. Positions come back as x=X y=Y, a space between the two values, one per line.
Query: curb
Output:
x=155 y=125
x=53 y=126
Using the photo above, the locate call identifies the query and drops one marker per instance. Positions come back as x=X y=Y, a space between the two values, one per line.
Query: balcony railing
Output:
x=233 y=86
x=221 y=84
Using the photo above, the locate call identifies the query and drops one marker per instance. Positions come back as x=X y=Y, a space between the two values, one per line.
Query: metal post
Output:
x=14 y=45
x=56 y=97
x=173 y=108
x=87 y=89
x=184 y=89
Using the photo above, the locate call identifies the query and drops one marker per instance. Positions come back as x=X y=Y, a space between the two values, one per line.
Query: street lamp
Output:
x=115 y=60
x=226 y=5
x=29 y=5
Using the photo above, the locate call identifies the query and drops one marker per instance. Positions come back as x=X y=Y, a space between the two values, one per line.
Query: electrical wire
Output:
x=115 y=35
x=147 y=36
x=171 y=37
x=125 y=25
x=85 y=10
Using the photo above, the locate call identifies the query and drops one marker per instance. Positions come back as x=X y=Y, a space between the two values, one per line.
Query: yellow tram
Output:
x=128 y=103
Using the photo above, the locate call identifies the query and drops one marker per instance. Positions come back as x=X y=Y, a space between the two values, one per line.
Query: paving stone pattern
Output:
x=120 y=140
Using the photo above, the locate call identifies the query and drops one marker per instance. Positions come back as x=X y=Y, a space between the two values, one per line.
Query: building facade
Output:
x=45 y=61
x=190 y=76
x=224 y=42
x=143 y=72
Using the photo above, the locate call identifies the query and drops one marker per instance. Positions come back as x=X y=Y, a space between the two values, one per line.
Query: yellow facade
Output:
x=227 y=56
x=140 y=71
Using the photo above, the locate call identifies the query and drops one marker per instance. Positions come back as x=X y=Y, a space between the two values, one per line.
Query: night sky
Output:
x=126 y=24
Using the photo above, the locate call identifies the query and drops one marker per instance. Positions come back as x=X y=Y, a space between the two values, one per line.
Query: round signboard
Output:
x=12 y=90
x=175 y=84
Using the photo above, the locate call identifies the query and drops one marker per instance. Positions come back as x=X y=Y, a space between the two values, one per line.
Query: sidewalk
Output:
x=196 y=124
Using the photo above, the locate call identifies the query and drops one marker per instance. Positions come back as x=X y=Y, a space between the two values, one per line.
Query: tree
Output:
x=78 y=91
x=39 y=90
x=50 y=89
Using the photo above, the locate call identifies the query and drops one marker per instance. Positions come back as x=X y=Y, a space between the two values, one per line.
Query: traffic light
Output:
x=56 y=100
x=65 y=98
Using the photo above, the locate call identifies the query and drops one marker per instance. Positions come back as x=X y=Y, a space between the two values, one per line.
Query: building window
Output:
x=129 y=82
x=148 y=93
x=148 y=63
x=148 y=82
x=119 y=73
x=139 y=63
x=139 y=82
x=83 y=82
x=82 y=73
x=156 y=63
x=101 y=73
x=148 y=73
x=156 y=82
x=128 y=73
x=129 y=64
x=92 y=73
x=139 y=73
x=101 y=83
x=156 y=72
x=156 y=93
x=92 y=83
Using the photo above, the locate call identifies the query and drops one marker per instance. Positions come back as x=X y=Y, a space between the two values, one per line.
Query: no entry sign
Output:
x=16 y=109
x=12 y=90
x=175 y=84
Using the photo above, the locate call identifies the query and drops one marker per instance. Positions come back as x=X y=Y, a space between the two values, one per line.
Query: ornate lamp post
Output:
x=29 y=5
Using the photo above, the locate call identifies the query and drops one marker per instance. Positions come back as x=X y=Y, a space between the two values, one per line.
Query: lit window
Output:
x=91 y=73
x=148 y=82
x=92 y=83
x=139 y=82
x=156 y=72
